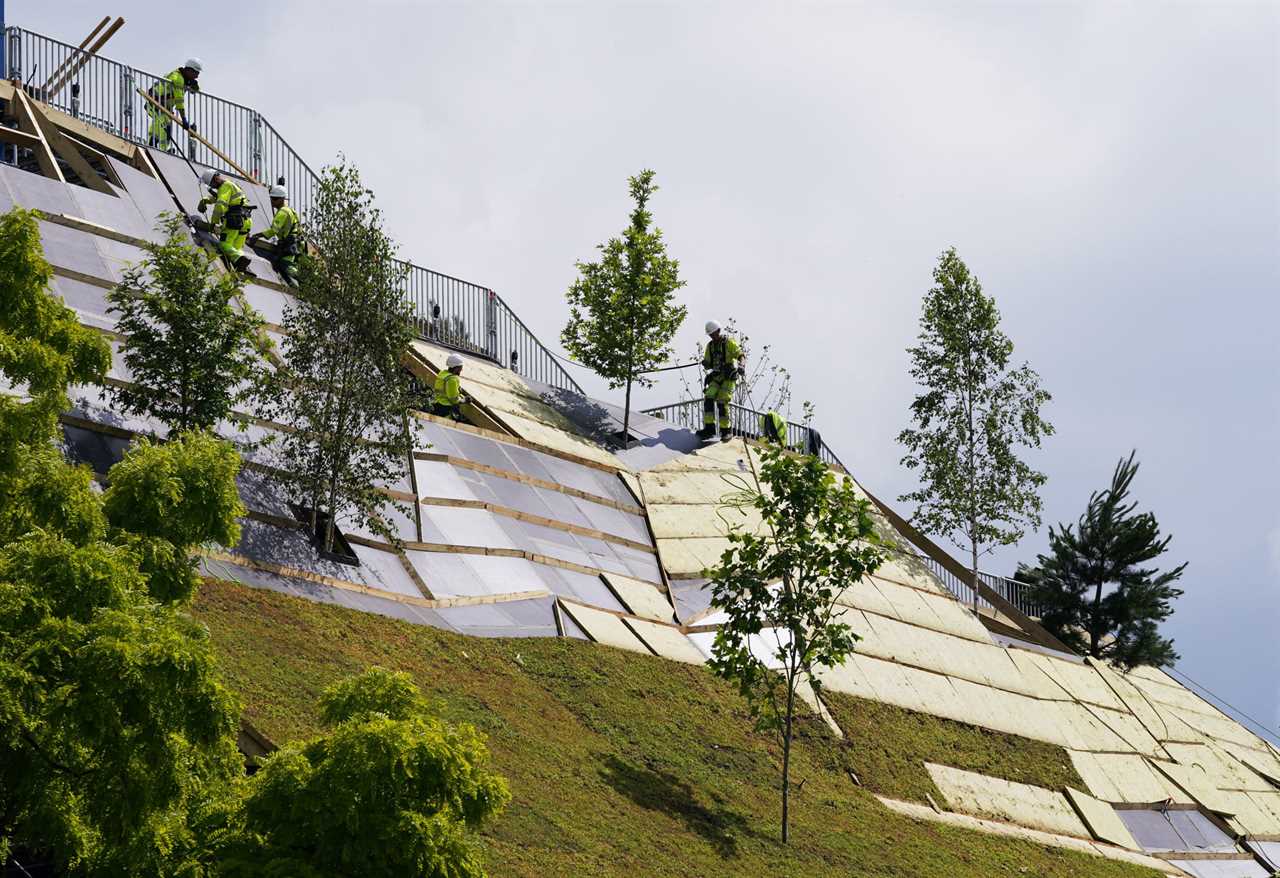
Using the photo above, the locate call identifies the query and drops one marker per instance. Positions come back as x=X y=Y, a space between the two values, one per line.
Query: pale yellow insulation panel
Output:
x=983 y=796
x=561 y=441
x=641 y=598
x=1079 y=682
x=1038 y=683
x=1102 y=820
x=666 y=641
x=690 y=558
x=711 y=488
x=1118 y=777
x=907 y=570
x=604 y=627
x=1199 y=785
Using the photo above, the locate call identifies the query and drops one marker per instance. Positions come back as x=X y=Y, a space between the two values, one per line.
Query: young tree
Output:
x=113 y=727
x=415 y=786
x=191 y=351
x=622 y=308
x=778 y=584
x=1096 y=589
x=973 y=416
x=341 y=389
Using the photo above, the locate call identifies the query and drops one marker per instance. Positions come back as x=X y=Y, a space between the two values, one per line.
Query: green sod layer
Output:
x=619 y=764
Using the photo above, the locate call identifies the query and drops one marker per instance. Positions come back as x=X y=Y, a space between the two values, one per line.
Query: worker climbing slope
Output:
x=287 y=234
x=448 y=390
x=723 y=362
x=170 y=93
x=230 y=220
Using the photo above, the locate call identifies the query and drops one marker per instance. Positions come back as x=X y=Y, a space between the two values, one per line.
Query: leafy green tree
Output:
x=622 y=308
x=973 y=416
x=389 y=790
x=191 y=351
x=341 y=390
x=1097 y=590
x=113 y=729
x=779 y=585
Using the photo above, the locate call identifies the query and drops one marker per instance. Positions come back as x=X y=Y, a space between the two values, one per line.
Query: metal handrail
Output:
x=103 y=93
x=746 y=421
x=1012 y=590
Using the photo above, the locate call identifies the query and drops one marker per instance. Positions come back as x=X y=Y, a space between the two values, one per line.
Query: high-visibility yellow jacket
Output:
x=171 y=91
x=722 y=355
x=448 y=388
x=773 y=428
x=229 y=198
x=284 y=225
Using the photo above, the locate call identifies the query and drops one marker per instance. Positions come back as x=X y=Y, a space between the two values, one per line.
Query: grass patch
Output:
x=619 y=764
x=887 y=747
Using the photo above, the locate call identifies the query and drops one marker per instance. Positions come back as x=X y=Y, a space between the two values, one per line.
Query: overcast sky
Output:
x=1109 y=171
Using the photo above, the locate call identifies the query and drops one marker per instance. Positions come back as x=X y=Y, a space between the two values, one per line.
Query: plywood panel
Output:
x=1102 y=820
x=641 y=598
x=604 y=627
x=666 y=641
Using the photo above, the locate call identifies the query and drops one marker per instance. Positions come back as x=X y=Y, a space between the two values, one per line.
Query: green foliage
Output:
x=780 y=585
x=619 y=764
x=1099 y=594
x=622 y=308
x=191 y=352
x=973 y=416
x=42 y=346
x=341 y=388
x=112 y=725
x=390 y=791
x=171 y=497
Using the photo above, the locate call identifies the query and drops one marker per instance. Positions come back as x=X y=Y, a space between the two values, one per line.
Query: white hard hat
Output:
x=195 y=64
x=278 y=192
x=454 y=360
x=712 y=327
x=207 y=175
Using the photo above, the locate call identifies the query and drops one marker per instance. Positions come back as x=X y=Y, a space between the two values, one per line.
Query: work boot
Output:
x=726 y=435
x=242 y=265
x=707 y=432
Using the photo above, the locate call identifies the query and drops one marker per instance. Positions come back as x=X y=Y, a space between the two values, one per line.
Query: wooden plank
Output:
x=26 y=121
x=199 y=138
x=83 y=58
x=17 y=137
x=66 y=150
x=72 y=57
x=112 y=176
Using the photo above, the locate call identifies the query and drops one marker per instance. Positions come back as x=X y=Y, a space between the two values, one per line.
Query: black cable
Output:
x=645 y=372
x=1224 y=702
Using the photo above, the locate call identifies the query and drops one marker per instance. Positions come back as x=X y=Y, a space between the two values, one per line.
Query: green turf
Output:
x=887 y=747
x=619 y=764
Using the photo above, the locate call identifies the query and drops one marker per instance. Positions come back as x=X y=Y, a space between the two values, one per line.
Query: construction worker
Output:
x=284 y=229
x=723 y=362
x=773 y=429
x=230 y=219
x=170 y=93
x=448 y=390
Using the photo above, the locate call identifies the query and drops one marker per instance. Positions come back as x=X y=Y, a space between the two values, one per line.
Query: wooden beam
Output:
x=66 y=150
x=83 y=59
x=99 y=155
x=18 y=138
x=121 y=149
x=27 y=122
x=193 y=133
x=93 y=33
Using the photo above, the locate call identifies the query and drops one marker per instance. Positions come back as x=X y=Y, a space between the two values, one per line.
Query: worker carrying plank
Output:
x=170 y=93
x=230 y=219
x=773 y=429
x=448 y=390
x=285 y=230
x=723 y=361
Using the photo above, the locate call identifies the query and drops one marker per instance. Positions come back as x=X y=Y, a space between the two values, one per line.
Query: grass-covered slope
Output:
x=619 y=764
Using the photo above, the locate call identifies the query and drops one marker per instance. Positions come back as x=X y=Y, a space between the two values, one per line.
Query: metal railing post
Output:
x=126 y=103
x=15 y=53
x=256 y=146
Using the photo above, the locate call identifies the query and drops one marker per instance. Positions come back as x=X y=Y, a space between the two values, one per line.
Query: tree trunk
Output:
x=626 y=414
x=786 y=756
x=1095 y=634
x=973 y=554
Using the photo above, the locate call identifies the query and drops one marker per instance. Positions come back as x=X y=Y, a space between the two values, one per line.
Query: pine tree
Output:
x=974 y=413
x=1098 y=591
x=622 y=309
x=191 y=351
